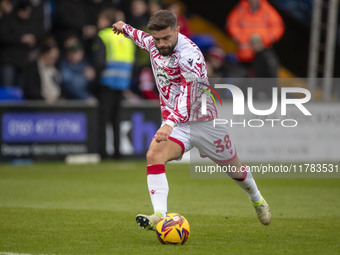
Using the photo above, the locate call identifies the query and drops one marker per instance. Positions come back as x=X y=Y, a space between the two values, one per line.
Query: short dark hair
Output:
x=161 y=20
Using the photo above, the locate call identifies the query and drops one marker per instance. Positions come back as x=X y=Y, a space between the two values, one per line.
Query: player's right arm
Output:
x=117 y=27
x=142 y=40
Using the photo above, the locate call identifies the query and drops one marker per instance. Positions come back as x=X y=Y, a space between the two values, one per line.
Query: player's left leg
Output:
x=244 y=178
x=215 y=143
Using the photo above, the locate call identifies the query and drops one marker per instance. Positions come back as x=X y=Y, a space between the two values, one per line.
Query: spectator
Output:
x=139 y=18
x=6 y=7
x=265 y=65
x=253 y=17
x=139 y=14
x=114 y=56
x=72 y=19
x=182 y=21
x=44 y=14
x=76 y=72
x=154 y=5
x=89 y=30
x=18 y=39
x=216 y=62
x=95 y=7
x=42 y=78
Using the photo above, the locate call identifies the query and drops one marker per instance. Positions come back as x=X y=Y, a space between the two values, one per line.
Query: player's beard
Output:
x=166 y=51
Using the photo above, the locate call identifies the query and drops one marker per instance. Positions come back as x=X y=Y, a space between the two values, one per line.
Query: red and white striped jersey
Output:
x=181 y=78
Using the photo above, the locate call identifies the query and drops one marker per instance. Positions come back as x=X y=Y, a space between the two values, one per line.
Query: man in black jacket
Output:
x=265 y=65
x=18 y=39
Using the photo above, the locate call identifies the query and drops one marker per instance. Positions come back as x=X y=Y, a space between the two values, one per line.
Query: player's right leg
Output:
x=157 y=155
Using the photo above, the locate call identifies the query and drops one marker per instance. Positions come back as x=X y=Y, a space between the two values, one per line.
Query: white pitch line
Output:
x=13 y=253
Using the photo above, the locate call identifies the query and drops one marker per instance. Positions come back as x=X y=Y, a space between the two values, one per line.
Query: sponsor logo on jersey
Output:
x=162 y=77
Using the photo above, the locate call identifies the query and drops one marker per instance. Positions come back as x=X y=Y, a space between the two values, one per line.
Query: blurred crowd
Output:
x=51 y=49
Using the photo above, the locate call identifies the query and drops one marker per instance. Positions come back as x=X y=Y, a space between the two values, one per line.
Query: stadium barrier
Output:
x=33 y=130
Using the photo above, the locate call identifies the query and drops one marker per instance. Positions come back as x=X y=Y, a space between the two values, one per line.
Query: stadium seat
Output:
x=204 y=41
x=11 y=93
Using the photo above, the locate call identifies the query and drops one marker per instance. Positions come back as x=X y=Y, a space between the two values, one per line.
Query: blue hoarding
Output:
x=44 y=127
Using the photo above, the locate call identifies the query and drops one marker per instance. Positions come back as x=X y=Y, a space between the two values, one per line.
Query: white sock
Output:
x=158 y=187
x=248 y=184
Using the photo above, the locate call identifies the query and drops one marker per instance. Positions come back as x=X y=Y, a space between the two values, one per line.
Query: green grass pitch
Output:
x=53 y=208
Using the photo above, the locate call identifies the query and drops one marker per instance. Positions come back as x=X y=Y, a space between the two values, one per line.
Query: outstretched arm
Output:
x=142 y=40
x=117 y=27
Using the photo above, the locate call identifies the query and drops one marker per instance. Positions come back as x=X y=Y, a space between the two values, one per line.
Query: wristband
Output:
x=170 y=123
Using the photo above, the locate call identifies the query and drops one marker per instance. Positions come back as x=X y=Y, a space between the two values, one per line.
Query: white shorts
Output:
x=212 y=142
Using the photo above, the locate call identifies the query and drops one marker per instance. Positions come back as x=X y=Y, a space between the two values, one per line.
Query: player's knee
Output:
x=153 y=157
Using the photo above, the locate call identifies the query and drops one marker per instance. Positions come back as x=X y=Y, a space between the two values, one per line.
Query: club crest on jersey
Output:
x=172 y=61
x=162 y=77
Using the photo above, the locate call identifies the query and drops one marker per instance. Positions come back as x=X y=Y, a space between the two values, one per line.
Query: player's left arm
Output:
x=163 y=133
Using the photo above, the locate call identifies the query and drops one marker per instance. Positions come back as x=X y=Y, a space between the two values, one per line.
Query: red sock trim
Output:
x=155 y=169
x=244 y=175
